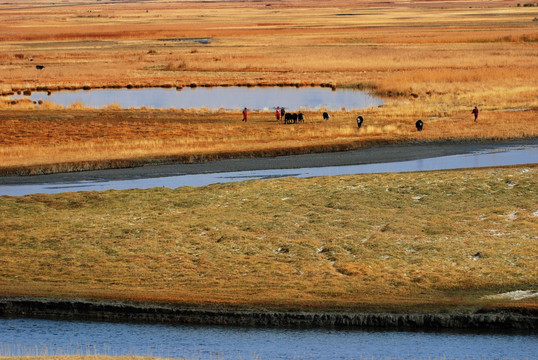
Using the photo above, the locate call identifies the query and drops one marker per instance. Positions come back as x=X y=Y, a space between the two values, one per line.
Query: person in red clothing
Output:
x=475 y=113
x=245 y=114
x=277 y=113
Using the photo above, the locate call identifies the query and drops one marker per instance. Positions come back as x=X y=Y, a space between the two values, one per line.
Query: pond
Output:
x=229 y=98
x=33 y=337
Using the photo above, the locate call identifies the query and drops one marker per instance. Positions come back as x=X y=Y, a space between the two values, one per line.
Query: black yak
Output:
x=419 y=124
x=326 y=116
x=294 y=118
x=288 y=118
x=40 y=67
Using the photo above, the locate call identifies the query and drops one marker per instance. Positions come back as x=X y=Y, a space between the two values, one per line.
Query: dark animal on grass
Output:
x=359 y=121
x=40 y=67
x=300 y=117
x=419 y=124
x=326 y=116
x=294 y=118
x=288 y=118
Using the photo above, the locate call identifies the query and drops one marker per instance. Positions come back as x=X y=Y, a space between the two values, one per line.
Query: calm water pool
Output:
x=234 y=97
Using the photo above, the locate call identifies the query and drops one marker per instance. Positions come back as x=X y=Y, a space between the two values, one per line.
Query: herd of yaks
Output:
x=292 y=118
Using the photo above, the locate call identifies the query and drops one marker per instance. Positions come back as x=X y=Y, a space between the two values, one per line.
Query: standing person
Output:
x=475 y=113
x=245 y=114
x=282 y=113
x=359 y=121
x=277 y=113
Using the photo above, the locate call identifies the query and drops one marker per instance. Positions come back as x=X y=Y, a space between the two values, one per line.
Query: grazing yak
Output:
x=40 y=67
x=290 y=118
x=419 y=124
x=294 y=118
x=326 y=116
x=359 y=121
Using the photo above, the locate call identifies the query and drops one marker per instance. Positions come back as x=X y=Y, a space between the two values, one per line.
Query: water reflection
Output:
x=256 y=98
x=484 y=158
x=25 y=337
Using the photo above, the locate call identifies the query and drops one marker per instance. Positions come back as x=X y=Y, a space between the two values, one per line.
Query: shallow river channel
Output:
x=30 y=337
x=310 y=165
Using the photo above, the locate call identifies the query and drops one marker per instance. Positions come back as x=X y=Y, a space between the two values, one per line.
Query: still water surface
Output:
x=20 y=337
x=236 y=97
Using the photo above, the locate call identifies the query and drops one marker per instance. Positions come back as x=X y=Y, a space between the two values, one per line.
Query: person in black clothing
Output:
x=359 y=121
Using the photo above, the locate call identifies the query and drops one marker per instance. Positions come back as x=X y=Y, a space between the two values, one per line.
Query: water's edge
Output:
x=132 y=312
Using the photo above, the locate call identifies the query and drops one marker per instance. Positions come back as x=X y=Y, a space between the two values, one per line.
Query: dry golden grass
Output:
x=364 y=242
x=434 y=60
x=399 y=48
x=369 y=242
x=53 y=140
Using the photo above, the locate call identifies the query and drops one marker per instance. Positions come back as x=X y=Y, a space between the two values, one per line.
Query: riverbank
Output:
x=480 y=319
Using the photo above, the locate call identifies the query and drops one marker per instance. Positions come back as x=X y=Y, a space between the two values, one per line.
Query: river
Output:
x=372 y=160
x=30 y=337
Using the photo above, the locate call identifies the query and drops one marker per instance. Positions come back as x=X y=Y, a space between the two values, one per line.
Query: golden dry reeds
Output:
x=405 y=45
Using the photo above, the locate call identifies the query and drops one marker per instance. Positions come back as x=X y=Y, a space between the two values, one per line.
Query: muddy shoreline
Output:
x=483 y=320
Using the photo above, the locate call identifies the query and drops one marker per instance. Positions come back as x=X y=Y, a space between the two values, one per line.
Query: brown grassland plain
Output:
x=372 y=242
x=380 y=242
x=431 y=60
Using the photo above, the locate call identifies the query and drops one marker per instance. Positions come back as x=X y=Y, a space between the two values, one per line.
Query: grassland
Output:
x=398 y=242
x=46 y=141
x=433 y=61
x=375 y=242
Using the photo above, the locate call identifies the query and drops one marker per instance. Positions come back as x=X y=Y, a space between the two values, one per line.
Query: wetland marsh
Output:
x=435 y=242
